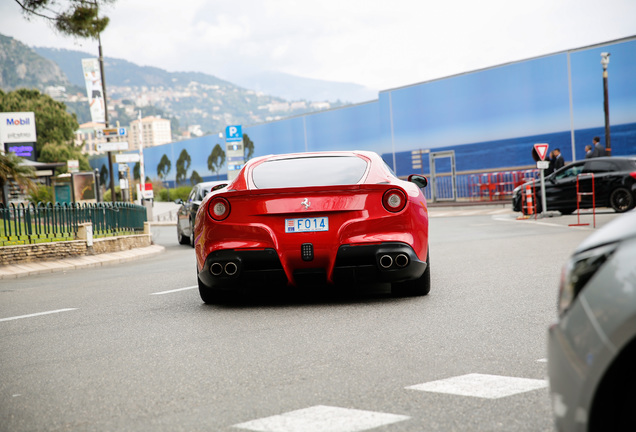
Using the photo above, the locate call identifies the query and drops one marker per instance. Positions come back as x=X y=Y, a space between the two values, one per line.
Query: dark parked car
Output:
x=188 y=210
x=592 y=347
x=614 y=185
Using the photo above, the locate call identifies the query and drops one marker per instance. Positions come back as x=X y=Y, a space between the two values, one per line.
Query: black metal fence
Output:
x=31 y=223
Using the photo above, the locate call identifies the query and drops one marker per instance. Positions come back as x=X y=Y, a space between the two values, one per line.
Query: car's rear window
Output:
x=609 y=165
x=309 y=171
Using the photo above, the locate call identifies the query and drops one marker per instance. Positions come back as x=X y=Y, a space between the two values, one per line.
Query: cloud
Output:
x=375 y=43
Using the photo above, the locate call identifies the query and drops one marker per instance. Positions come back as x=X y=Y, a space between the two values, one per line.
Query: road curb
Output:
x=14 y=271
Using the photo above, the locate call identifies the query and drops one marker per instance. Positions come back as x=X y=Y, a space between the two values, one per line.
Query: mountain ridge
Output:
x=197 y=102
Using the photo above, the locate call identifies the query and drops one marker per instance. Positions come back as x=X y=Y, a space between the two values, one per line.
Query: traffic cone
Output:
x=529 y=201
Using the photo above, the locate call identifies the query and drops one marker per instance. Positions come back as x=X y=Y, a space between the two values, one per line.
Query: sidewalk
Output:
x=32 y=268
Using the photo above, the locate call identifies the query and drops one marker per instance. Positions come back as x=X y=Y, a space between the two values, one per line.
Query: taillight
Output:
x=394 y=200
x=219 y=208
x=633 y=174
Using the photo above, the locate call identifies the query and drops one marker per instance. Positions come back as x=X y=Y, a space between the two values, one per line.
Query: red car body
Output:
x=313 y=218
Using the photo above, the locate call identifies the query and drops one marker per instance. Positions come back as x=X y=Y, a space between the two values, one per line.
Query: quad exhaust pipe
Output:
x=231 y=268
x=401 y=260
x=218 y=269
x=386 y=261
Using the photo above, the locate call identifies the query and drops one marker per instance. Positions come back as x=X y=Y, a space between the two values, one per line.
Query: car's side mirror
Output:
x=178 y=201
x=419 y=180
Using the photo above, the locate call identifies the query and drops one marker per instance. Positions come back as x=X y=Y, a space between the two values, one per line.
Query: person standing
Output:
x=598 y=149
x=588 y=151
x=558 y=159
x=550 y=168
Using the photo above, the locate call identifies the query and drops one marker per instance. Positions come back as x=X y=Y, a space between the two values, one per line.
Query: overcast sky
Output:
x=379 y=44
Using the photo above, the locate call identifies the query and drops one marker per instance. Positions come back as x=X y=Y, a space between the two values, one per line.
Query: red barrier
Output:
x=580 y=195
x=497 y=186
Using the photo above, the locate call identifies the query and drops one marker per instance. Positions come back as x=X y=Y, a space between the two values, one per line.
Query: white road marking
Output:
x=37 y=314
x=175 y=290
x=537 y=222
x=482 y=386
x=322 y=418
x=543 y=360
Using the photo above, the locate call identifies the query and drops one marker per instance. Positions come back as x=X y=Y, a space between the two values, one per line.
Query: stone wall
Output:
x=69 y=249
x=42 y=251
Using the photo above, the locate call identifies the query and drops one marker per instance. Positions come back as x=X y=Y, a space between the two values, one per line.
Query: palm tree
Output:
x=12 y=169
x=216 y=160
x=164 y=167
x=183 y=163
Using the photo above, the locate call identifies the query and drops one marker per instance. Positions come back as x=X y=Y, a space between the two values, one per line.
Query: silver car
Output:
x=592 y=347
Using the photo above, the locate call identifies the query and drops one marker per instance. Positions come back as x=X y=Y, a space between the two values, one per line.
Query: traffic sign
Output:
x=542 y=150
x=127 y=158
x=110 y=132
x=112 y=146
x=233 y=133
x=543 y=164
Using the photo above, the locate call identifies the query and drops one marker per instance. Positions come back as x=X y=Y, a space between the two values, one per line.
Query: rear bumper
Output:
x=369 y=263
x=354 y=264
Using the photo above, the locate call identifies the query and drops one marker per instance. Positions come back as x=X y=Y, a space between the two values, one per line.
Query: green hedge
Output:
x=173 y=194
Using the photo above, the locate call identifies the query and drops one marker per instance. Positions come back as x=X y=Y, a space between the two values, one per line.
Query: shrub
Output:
x=41 y=193
x=118 y=195
x=180 y=192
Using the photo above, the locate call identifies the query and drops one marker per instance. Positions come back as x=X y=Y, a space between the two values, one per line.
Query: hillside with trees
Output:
x=191 y=100
x=21 y=67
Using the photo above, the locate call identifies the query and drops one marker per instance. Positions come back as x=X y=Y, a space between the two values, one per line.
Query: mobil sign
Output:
x=17 y=127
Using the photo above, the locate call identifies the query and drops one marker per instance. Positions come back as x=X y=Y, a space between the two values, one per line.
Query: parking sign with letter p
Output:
x=233 y=133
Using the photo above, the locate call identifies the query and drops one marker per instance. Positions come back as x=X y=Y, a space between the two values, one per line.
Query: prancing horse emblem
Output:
x=306 y=203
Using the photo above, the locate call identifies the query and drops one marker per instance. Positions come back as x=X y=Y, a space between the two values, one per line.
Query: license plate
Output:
x=307 y=224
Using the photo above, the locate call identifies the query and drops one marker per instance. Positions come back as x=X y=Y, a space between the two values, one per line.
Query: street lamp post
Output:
x=106 y=124
x=605 y=61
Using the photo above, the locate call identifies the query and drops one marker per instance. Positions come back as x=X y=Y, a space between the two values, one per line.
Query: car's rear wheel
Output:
x=417 y=287
x=182 y=238
x=621 y=200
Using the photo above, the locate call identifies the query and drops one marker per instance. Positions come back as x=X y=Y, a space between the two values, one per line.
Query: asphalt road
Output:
x=131 y=347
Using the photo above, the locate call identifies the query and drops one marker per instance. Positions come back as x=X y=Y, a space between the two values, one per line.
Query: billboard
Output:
x=490 y=118
x=23 y=150
x=84 y=187
x=94 y=89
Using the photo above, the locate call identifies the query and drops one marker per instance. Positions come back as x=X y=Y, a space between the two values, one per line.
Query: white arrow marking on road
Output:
x=37 y=314
x=175 y=290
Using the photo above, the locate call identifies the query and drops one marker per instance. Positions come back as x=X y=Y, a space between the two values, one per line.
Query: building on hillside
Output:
x=155 y=131
x=86 y=137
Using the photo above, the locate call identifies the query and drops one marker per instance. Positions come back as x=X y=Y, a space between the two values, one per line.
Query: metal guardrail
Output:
x=31 y=223
x=478 y=187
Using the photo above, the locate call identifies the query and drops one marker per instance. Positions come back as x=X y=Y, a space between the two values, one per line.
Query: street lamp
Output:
x=604 y=62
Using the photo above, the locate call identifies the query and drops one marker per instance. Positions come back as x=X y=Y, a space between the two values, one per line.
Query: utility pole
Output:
x=605 y=62
x=142 y=171
x=106 y=124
